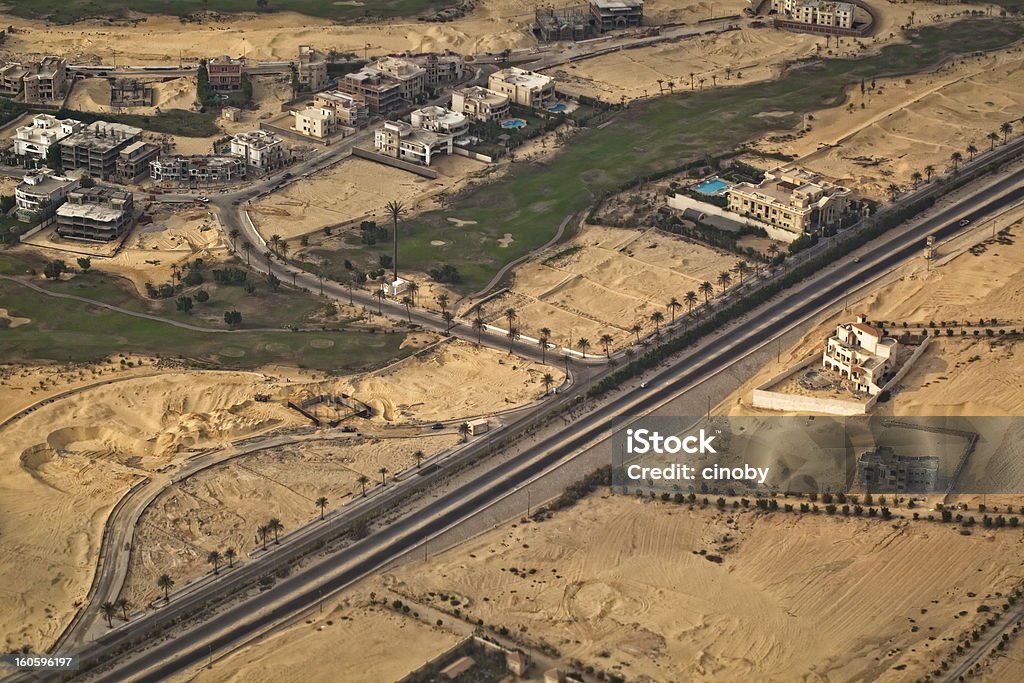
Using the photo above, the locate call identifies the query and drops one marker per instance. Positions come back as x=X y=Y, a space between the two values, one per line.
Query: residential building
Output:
x=316 y=122
x=791 y=198
x=99 y=213
x=312 y=69
x=525 y=88
x=258 y=149
x=48 y=82
x=403 y=141
x=378 y=90
x=480 y=103
x=41 y=192
x=881 y=470
x=45 y=130
x=201 y=169
x=610 y=15
x=12 y=77
x=96 y=147
x=441 y=68
x=440 y=120
x=817 y=12
x=348 y=109
x=133 y=161
x=860 y=353
x=225 y=73
x=410 y=76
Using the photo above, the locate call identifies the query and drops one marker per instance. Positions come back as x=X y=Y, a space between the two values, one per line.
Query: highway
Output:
x=305 y=587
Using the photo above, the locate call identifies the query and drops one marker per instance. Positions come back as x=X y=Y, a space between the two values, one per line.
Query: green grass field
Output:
x=62 y=330
x=530 y=203
x=67 y=11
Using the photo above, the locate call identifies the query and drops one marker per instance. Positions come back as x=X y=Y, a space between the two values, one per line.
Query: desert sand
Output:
x=603 y=281
x=93 y=95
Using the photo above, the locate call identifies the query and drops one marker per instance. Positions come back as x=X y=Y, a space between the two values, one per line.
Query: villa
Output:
x=882 y=470
x=480 y=103
x=860 y=353
x=401 y=140
x=41 y=192
x=792 y=199
x=348 y=109
x=198 y=169
x=440 y=120
x=45 y=130
x=259 y=149
x=525 y=88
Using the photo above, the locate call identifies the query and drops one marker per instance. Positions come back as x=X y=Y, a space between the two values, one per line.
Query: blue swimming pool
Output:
x=513 y=123
x=712 y=186
x=557 y=108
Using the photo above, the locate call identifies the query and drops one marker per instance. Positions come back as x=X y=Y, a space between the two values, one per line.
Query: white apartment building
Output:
x=42 y=191
x=860 y=353
x=258 y=149
x=348 y=109
x=525 y=88
x=480 y=104
x=34 y=140
x=817 y=12
x=316 y=122
x=401 y=140
x=440 y=120
x=792 y=199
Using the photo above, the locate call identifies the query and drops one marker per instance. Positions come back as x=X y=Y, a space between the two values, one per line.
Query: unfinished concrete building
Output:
x=128 y=92
x=97 y=213
x=552 y=24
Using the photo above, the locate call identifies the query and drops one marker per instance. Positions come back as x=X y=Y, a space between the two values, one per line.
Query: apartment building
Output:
x=96 y=147
x=311 y=69
x=440 y=120
x=42 y=81
x=200 y=169
x=390 y=83
x=99 y=213
x=817 y=12
x=348 y=109
x=525 y=88
x=258 y=149
x=611 y=15
x=41 y=192
x=441 y=69
x=401 y=140
x=133 y=161
x=480 y=104
x=378 y=90
x=860 y=353
x=225 y=74
x=12 y=78
x=882 y=470
x=316 y=122
x=35 y=139
x=792 y=199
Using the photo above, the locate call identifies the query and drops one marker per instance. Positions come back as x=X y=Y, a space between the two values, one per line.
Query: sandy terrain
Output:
x=352 y=191
x=619 y=584
x=93 y=95
x=7 y=185
x=612 y=278
x=223 y=506
x=905 y=127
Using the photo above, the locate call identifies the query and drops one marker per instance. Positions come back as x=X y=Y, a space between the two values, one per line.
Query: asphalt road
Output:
x=305 y=588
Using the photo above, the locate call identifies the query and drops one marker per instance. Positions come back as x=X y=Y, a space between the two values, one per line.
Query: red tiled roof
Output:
x=868 y=329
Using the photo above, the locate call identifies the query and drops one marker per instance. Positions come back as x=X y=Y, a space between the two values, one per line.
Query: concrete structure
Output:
x=259 y=149
x=522 y=87
x=403 y=141
x=390 y=83
x=35 y=139
x=97 y=213
x=312 y=69
x=882 y=471
x=41 y=192
x=12 y=77
x=395 y=288
x=133 y=161
x=480 y=104
x=232 y=114
x=860 y=353
x=441 y=68
x=791 y=198
x=348 y=109
x=377 y=90
x=225 y=74
x=817 y=12
x=96 y=147
x=457 y=668
x=48 y=81
x=129 y=92
x=611 y=15
x=316 y=122
x=198 y=169
x=480 y=426
x=440 y=120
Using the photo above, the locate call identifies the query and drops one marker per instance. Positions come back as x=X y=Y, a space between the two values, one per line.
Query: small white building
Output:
x=42 y=191
x=522 y=87
x=395 y=288
x=440 y=120
x=480 y=103
x=34 y=140
x=860 y=353
x=258 y=149
x=401 y=140
x=316 y=122
x=480 y=426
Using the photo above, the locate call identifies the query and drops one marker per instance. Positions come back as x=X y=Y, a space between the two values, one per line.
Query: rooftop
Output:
x=527 y=79
x=617 y=5
x=101 y=135
x=317 y=113
x=257 y=138
x=478 y=92
x=95 y=212
x=44 y=183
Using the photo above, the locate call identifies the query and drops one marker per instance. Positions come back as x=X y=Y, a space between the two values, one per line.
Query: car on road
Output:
x=856 y=259
x=437 y=425
x=203 y=198
x=964 y=221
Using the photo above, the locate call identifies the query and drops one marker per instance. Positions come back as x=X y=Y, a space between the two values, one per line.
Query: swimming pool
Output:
x=513 y=123
x=712 y=186
x=557 y=108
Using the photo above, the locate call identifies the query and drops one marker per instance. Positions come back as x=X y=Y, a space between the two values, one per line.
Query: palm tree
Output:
x=380 y=298
x=383 y=473
x=513 y=336
x=707 y=289
x=407 y=302
x=1006 y=129
x=449 y=320
x=661 y=83
x=956 y=158
x=166 y=583
x=266 y=255
x=972 y=150
x=691 y=300
x=542 y=341
x=275 y=525
x=413 y=288
x=464 y=431
x=916 y=176
x=246 y=247
x=264 y=531
x=928 y=171
x=742 y=269
x=230 y=556
x=657 y=318
x=510 y=316
x=363 y=480
x=175 y=272
x=233 y=235
x=773 y=250
x=583 y=343
x=606 y=341
x=442 y=301
x=548 y=381
x=724 y=279
x=275 y=239
x=123 y=604
x=691 y=80
x=893 y=190
x=479 y=325
x=214 y=558
x=993 y=139
x=395 y=210
x=283 y=249
x=321 y=503
x=419 y=458
x=109 y=610
x=673 y=305
x=635 y=329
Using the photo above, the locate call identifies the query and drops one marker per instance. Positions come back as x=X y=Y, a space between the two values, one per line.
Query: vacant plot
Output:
x=604 y=281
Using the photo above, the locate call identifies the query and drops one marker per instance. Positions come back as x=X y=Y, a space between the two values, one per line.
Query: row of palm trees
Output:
x=111 y=610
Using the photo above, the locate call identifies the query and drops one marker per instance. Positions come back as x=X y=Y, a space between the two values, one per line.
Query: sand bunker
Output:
x=8 y=320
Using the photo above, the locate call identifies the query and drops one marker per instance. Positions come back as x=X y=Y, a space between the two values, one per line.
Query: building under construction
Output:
x=580 y=22
x=128 y=92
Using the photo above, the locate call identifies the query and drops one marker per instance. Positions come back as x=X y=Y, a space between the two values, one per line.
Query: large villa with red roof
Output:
x=860 y=353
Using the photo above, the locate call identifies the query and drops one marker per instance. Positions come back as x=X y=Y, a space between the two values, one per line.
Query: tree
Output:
x=542 y=341
x=233 y=236
x=202 y=296
x=264 y=531
x=742 y=268
x=413 y=288
x=449 y=320
x=283 y=249
x=894 y=191
x=606 y=341
x=707 y=289
x=246 y=247
x=214 y=558
x=478 y=326
x=232 y=318
x=583 y=343
x=275 y=240
x=184 y=304
x=442 y=301
x=274 y=524
x=548 y=380
x=321 y=503
x=396 y=210
x=956 y=158
x=916 y=176
x=928 y=171
x=1006 y=129
x=673 y=305
x=657 y=318
x=123 y=604
x=166 y=583
x=419 y=455
x=85 y=263
x=53 y=157
x=109 y=610
x=87 y=182
x=54 y=269
x=691 y=298
x=407 y=302
x=230 y=556
x=510 y=316
x=972 y=150
x=724 y=279
x=513 y=336
x=363 y=480
x=464 y=431
x=383 y=472
x=380 y=298
x=635 y=329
